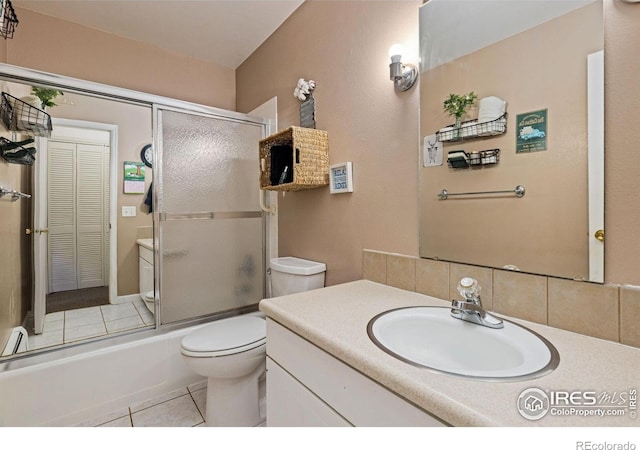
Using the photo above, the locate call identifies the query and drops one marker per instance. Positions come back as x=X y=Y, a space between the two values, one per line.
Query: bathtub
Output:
x=93 y=380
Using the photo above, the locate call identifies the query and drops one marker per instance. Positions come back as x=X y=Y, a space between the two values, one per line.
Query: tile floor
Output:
x=182 y=408
x=78 y=324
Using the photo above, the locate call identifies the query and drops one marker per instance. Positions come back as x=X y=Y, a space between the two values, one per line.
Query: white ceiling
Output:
x=224 y=32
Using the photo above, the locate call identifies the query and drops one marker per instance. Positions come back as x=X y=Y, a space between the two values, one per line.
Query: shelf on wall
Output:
x=460 y=159
x=21 y=116
x=473 y=129
x=294 y=159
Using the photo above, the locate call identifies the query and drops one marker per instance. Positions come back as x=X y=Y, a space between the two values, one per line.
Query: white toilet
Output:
x=231 y=352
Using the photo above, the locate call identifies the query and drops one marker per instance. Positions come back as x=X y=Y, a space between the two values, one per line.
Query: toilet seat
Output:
x=225 y=337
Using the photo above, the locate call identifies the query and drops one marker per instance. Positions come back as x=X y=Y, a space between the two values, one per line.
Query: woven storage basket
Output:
x=308 y=151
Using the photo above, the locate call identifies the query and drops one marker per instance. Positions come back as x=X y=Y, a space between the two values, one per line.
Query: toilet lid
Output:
x=236 y=333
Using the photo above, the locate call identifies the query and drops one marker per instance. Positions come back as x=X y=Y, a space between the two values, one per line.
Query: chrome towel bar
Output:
x=518 y=192
x=15 y=195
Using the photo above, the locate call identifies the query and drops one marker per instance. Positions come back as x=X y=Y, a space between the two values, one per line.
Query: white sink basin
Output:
x=430 y=337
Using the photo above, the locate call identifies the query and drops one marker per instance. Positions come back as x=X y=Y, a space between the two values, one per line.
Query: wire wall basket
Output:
x=8 y=19
x=21 y=116
x=473 y=129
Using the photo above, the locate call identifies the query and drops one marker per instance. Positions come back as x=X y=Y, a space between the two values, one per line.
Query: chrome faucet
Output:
x=470 y=309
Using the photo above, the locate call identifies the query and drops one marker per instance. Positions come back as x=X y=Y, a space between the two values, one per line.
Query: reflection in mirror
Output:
x=89 y=274
x=540 y=63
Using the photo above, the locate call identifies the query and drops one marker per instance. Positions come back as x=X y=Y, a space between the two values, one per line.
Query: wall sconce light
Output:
x=403 y=76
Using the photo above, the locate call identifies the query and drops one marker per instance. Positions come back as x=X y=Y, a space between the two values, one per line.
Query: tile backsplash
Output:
x=606 y=311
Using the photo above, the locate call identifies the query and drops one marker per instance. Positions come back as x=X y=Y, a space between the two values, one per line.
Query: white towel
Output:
x=491 y=108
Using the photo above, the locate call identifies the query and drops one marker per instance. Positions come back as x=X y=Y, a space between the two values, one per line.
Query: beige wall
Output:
x=547 y=230
x=343 y=46
x=52 y=45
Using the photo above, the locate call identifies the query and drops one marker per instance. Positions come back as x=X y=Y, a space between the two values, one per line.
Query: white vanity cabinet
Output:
x=145 y=272
x=308 y=387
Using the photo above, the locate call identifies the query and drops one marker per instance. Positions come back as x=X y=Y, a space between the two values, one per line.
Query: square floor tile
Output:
x=93 y=311
x=179 y=412
x=84 y=331
x=202 y=384
x=122 y=422
x=115 y=312
x=111 y=417
x=200 y=398
x=126 y=323
x=46 y=339
x=52 y=325
x=53 y=317
x=159 y=399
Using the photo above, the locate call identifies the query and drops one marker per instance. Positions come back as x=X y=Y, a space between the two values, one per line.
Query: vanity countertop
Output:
x=335 y=319
x=146 y=243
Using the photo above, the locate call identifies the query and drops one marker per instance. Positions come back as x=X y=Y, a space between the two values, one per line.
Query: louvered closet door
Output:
x=78 y=190
x=90 y=215
x=62 y=216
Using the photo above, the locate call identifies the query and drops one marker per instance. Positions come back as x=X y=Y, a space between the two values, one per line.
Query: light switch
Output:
x=128 y=211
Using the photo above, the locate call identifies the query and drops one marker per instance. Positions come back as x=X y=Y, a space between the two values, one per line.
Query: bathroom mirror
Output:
x=82 y=253
x=544 y=58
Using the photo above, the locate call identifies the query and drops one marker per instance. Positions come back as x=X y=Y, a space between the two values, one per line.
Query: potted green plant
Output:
x=46 y=96
x=456 y=105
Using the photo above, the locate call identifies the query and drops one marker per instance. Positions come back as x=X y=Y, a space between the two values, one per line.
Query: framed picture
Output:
x=341 y=178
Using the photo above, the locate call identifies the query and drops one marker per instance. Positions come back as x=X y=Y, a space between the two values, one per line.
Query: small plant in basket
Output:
x=456 y=105
x=46 y=95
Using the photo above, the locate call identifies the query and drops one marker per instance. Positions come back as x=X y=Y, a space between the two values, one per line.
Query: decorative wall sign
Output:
x=133 y=177
x=341 y=178
x=432 y=149
x=531 y=131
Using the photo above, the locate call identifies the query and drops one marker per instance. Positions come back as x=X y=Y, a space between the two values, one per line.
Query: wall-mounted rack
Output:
x=8 y=19
x=21 y=116
x=519 y=192
x=459 y=159
x=473 y=129
x=15 y=195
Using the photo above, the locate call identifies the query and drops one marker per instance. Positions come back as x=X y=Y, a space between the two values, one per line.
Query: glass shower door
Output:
x=211 y=229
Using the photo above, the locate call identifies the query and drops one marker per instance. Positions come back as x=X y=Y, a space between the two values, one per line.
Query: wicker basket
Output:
x=294 y=159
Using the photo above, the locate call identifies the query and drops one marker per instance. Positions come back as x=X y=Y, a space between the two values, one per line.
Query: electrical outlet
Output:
x=128 y=211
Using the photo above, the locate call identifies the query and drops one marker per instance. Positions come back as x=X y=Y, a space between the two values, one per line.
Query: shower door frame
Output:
x=157 y=214
x=34 y=77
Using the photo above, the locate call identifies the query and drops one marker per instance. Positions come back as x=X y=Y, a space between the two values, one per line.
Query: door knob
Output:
x=599 y=235
x=30 y=231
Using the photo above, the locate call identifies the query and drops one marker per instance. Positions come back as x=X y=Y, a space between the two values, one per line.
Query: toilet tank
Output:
x=290 y=275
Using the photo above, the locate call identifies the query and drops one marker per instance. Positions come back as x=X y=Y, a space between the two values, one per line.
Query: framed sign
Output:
x=340 y=178
x=531 y=131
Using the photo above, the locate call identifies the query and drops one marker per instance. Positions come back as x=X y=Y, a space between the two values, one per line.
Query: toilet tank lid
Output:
x=297 y=266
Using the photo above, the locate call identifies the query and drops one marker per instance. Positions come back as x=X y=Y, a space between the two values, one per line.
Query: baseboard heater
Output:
x=17 y=343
